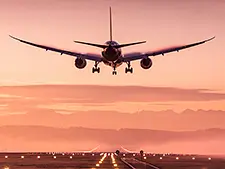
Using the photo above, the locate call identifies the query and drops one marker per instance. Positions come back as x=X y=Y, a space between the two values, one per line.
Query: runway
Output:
x=105 y=160
x=136 y=164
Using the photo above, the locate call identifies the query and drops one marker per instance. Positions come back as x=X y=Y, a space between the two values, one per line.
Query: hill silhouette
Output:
x=158 y=120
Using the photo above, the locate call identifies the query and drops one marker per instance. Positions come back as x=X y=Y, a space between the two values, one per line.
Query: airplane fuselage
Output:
x=112 y=56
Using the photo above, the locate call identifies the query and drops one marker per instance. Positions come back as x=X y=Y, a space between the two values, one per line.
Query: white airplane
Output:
x=111 y=54
x=134 y=152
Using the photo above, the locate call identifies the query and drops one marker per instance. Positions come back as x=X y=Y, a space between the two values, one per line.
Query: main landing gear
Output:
x=96 y=68
x=128 y=68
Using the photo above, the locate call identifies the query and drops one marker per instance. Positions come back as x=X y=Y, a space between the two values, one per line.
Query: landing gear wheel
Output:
x=95 y=69
x=114 y=72
x=129 y=70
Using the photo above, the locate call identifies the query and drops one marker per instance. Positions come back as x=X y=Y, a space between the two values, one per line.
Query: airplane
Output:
x=111 y=54
x=134 y=152
x=78 y=152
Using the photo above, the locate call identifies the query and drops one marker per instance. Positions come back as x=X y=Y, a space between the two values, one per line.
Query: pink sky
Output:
x=160 y=23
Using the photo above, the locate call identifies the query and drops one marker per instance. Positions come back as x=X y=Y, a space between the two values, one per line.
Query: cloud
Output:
x=96 y=94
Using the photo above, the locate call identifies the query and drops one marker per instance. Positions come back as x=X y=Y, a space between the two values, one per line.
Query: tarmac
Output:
x=105 y=160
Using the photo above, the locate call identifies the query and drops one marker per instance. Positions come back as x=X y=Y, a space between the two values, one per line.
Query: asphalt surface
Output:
x=107 y=160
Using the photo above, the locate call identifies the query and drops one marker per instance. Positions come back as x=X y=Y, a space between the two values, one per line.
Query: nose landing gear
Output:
x=114 y=70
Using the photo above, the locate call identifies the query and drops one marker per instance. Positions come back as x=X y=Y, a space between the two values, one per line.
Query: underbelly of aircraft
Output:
x=111 y=57
x=112 y=64
x=111 y=54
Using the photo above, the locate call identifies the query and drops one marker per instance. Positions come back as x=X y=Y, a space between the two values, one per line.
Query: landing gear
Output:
x=114 y=71
x=96 y=68
x=128 y=68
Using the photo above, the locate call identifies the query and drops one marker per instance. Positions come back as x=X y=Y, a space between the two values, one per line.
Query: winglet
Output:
x=210 y=39
x=14 y=38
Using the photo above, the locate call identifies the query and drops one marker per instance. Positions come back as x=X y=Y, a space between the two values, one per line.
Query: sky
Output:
x=161 y=23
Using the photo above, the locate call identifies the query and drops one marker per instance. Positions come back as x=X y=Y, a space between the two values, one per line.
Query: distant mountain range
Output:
x=74 y=138
x=157 y=120
x=109 y=136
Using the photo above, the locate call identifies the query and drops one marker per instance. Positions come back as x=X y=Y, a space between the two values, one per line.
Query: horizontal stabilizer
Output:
x=92 y=44
x=129 y=44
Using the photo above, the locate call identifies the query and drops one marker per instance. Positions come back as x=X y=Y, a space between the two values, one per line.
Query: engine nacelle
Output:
x=80 y=63
x=146 y=63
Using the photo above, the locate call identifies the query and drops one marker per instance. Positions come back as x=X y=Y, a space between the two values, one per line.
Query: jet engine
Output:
x=146 y=63
x=80 y=63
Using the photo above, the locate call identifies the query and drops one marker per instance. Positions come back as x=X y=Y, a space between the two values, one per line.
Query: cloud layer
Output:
x=106 y=94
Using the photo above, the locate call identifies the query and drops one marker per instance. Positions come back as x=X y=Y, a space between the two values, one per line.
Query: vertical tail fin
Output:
x=110 y=15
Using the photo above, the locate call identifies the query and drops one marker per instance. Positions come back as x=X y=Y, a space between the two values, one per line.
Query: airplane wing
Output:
x=93 y=57
x=88 y=151
x=135 y=56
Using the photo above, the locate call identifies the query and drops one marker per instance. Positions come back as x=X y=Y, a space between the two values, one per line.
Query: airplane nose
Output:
x=110 y=51
x=111 y=54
